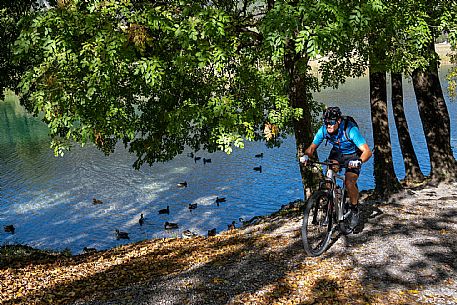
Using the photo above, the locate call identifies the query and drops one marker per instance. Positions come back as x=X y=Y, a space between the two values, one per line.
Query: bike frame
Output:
x=326 y=211
x=331 y=178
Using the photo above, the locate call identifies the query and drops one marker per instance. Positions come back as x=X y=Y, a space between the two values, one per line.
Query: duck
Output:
x=165 y=211
x=188 y=234
x=192 y=206
x=258 y=168
x=170 y=225
x=9 y=228
x=231 y=226
x=89 y=250
x=122 y=235
x=254 y=220
x=212 y=232
x=259 y=155
x=96 y=201
x=196 y=159
x=220 y=199
x=243 y=222
x=206 y=161
x=141 y=220
x=182 y=184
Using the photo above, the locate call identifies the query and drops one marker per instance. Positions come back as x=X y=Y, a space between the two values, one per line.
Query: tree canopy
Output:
x=157 y=76
x=161 y=76
x=13 y=17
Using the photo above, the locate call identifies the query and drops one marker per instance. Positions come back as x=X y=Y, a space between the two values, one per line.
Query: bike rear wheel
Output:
x=317 y=223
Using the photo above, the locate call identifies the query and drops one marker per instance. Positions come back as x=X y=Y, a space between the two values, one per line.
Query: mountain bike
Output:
x=326 y=211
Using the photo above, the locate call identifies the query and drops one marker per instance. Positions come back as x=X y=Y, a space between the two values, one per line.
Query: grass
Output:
x=12 y=254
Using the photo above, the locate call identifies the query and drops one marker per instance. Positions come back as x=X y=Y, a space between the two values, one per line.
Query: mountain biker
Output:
x=350 y=150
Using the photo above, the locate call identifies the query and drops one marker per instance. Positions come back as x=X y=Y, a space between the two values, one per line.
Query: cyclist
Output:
x=349 y=150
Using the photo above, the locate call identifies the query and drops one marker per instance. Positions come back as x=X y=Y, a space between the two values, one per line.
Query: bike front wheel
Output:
x=317 y=223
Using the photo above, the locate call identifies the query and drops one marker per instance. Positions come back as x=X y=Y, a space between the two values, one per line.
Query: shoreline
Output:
x=442 y=49
x=404 y=254
x=290 y=209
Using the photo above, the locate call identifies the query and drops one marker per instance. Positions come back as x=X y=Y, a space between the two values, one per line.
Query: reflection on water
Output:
x=49 y=199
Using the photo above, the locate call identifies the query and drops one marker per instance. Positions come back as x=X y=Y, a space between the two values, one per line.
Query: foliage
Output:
x=409 y=28
x=160 y=77
x=449 y=26
x=11 y=12
x=316 y=29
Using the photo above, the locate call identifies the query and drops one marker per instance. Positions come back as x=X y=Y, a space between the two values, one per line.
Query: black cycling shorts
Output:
x=343 y=159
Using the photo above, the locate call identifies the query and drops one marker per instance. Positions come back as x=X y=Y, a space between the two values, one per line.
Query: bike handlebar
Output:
x=327 y=163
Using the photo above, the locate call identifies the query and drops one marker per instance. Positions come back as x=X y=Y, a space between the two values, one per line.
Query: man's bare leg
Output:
x=351 y=187
x=353 y=194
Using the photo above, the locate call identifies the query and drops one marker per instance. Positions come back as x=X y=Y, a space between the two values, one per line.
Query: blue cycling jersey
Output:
x=346 y=145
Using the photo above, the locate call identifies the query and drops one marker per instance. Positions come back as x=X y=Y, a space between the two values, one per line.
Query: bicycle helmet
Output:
x=332 y=113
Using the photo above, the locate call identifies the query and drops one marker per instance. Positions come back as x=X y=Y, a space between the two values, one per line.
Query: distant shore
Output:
x=443 y=50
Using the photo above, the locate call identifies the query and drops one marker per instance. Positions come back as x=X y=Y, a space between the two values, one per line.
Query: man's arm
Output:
x=318 y=138
x=310 y=150
x=361 y=143
x=366 y=152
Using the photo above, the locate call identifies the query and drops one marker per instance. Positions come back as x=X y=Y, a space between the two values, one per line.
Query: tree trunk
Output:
x=413 y=173
x=385 y=179
x=298 y=98
x=435 y=122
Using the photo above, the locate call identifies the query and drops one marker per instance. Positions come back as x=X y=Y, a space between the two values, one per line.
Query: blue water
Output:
x=49 y=199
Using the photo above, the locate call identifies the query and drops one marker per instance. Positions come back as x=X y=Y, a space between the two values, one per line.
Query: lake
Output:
x=49 y=199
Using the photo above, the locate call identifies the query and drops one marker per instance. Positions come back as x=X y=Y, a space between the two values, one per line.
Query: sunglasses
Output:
x=330 y=122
